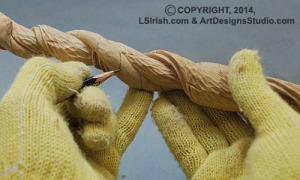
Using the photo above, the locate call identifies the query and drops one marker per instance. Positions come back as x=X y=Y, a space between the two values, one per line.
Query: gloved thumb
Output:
x=263 y=107
x=55 y=81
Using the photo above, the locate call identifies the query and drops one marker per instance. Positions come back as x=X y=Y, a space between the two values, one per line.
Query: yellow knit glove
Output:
x=214 y=144
x=79 y=138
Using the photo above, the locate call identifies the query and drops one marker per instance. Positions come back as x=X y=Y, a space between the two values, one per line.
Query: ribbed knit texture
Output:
x=130 y=117
x=275 y=152
x=215 y=144
x=35 y=137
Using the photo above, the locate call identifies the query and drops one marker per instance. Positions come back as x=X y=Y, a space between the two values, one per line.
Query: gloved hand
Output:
x=38 y=137
x=214 y=144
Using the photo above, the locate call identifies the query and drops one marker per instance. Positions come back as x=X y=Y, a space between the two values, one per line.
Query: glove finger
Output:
x=226 y=163
x=131 y=115
x=230 y=124
x=97 y=135
x=207 y=134
x=98 y=120
x=93 y=105
x=106 y=161
x=178 y=135
x=129 y=118
x=263 y=107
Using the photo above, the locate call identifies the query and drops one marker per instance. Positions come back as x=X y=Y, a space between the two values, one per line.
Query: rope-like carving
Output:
x=205 y=83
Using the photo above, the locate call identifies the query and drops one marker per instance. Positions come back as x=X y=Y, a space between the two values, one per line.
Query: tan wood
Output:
x=205 y=83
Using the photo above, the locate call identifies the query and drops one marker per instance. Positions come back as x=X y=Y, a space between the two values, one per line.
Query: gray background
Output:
x=148 y=156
